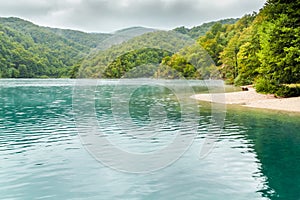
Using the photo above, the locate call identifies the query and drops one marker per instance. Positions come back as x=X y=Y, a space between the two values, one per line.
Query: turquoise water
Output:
x=42 y=156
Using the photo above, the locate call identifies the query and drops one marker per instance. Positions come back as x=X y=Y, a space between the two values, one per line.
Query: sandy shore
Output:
x=252 y=99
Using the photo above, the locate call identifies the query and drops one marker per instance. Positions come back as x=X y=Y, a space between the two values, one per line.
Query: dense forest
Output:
x=31 y=51
x=259 y=48
x=28 y=50
x=198 y=31
x=115 y=61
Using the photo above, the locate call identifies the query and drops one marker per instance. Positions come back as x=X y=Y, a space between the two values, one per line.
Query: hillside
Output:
x=46 y=35
x=100 y=64
x=28 y=50
x=91 y=40
x=31 y=51
x=153 y=47
x=201 y=30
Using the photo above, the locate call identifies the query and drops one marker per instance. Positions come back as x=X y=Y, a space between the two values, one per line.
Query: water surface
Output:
x=256 y=156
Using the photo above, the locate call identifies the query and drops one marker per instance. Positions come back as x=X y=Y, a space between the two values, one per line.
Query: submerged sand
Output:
x=253 y=99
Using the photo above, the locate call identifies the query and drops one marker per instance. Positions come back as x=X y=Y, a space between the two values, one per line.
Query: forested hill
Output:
x=201 y=30
x=147 y=48
x=28 y=50
x=31 y=51
x=153 y=47
x=46 y=35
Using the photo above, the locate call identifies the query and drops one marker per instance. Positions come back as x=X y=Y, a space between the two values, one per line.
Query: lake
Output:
x=61 y=139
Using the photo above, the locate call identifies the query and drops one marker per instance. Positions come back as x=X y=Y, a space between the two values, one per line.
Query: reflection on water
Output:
x=41 y=156
x=275 y=137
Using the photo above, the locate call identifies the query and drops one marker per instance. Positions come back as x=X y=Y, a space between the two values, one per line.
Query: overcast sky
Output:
x=111 y=15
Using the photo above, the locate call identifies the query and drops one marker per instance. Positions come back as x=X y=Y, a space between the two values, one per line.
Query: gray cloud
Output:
x=110 y=15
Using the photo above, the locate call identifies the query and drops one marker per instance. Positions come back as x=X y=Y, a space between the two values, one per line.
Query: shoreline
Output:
x=252 y=99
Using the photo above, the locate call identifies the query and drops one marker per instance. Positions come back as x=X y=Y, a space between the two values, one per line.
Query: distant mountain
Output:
x=123 y=35
x=91 y=40
x=198 y=31
x=134 y=31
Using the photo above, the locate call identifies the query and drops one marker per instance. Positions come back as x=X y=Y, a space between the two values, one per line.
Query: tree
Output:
x=23 y=71
x=280 y=50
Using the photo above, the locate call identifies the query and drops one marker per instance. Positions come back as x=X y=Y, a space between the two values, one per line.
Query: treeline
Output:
x=201 y=30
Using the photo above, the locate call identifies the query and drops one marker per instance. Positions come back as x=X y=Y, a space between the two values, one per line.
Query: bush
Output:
x=265 y=86
x=43 y=76
x=239 y=80
x=287 y=91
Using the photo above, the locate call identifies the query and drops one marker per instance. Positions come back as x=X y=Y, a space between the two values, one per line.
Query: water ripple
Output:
x=41 y=155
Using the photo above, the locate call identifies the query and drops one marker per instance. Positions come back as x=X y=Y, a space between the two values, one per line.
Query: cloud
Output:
x=110 y=15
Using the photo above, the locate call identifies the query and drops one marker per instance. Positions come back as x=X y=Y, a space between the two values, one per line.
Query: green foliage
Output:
x=266 y=86
x=223 y=42
x=91 y=40
x=44 y=76
x=135 y=59
x=191 y=62
x=73 y=72
x=177 y=67
x=247 y=57
x=115 y=61
x=214 y=41
x=280 y=50
x=28 y=50
x=236 y=53
x=287 y=91
x=142 y=71
x=259 y=45
x=201 y=30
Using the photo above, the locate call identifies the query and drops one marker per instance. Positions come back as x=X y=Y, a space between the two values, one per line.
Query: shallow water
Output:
x=43 y=154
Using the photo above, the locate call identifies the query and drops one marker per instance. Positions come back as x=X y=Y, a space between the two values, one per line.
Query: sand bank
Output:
x=252 y=99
